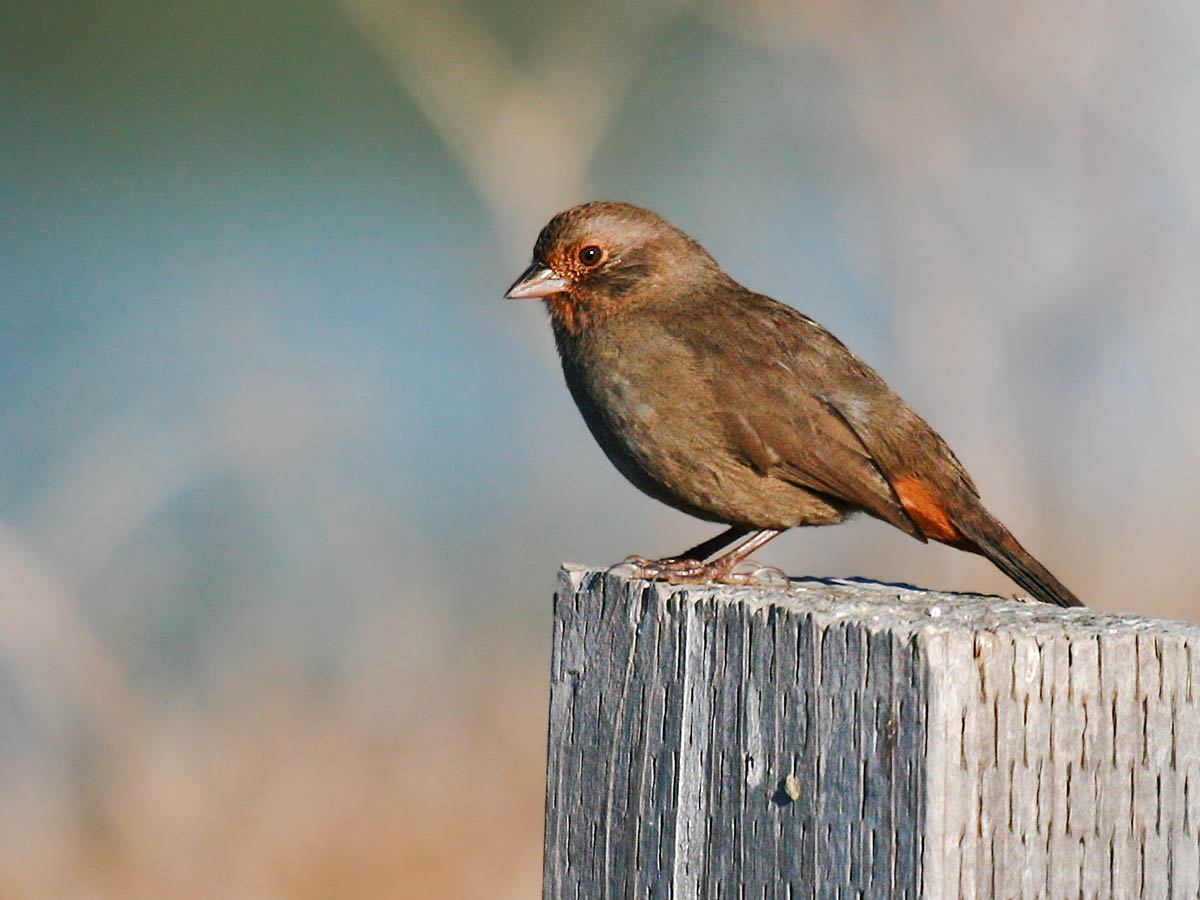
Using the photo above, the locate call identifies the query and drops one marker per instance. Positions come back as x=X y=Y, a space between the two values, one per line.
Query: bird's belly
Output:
x=671 y=451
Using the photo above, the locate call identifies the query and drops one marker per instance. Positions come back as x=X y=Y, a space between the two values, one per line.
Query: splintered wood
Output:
x=856 y=740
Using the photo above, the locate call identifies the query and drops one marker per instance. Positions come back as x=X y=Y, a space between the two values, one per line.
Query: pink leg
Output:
x=705 y=549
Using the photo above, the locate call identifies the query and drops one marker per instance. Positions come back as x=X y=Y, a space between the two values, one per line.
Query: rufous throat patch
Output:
x=564 y=312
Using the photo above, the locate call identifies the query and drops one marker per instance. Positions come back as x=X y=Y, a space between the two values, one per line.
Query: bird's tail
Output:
x=991 y=539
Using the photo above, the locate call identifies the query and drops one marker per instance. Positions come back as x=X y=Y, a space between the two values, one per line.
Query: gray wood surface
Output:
x=855 y=740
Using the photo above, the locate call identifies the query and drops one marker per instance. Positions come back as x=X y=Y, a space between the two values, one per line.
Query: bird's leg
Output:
x=705 y=549
x=689 y=568
x=725 y=568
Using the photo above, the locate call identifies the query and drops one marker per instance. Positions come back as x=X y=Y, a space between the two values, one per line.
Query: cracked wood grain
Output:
x=855 y=740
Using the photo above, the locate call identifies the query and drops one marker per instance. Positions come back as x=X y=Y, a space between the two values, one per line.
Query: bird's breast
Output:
x=651 y=414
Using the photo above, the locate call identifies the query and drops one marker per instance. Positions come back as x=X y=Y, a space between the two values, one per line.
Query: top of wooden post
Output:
x=903 y=607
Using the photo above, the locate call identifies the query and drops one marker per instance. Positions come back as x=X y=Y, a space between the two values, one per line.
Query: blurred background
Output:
x=284 y=484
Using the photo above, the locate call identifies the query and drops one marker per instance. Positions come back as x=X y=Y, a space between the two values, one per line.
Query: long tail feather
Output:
x=993 y=540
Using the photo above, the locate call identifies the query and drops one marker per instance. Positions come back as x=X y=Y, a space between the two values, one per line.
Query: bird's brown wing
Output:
x=801 y=407
x=902 y=444
x=806 y=442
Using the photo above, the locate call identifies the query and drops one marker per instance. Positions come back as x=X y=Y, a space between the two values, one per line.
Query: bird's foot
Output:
x=675 y=570
x=691 y=571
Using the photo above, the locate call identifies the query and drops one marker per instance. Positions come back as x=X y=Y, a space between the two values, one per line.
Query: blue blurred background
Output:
x=284 y=484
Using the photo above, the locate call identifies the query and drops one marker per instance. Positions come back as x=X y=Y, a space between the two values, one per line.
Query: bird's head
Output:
x=596 y=259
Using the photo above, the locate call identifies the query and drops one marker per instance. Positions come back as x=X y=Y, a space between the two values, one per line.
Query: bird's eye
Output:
x=590 y=255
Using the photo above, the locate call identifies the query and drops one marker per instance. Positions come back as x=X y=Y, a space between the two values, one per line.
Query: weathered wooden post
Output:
x=857 y=740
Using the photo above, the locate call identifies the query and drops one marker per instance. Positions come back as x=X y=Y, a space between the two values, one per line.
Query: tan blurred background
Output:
x=284 y=484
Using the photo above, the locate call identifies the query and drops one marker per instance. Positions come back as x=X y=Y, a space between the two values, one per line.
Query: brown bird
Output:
x=735 y=408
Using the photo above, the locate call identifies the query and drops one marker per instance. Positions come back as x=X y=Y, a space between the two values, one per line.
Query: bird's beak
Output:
x=537 y=281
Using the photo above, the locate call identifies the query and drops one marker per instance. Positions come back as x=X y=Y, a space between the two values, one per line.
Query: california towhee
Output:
x=735 y=408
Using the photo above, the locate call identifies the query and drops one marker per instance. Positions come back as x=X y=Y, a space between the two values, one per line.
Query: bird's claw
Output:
x=752 y=573
x=672 y=571
x=690 y=571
